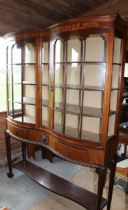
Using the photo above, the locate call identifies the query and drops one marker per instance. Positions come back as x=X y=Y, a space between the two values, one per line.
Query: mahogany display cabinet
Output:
x=64 y=89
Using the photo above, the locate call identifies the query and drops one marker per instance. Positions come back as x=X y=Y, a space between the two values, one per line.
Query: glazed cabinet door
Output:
x=79 y=81
x=21 y=77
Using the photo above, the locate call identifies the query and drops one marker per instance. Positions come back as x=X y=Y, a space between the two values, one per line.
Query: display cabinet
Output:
x=64 y=89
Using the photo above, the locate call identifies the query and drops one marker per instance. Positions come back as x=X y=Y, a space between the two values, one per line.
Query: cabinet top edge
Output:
x=107 y=19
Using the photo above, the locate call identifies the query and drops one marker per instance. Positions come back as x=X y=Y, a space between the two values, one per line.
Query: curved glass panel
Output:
x=95 y=49
x=29 y=53
x=74 y=50
x=59 y=51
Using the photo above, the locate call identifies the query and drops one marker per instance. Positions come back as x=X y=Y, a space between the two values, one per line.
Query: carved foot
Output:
x=10 y=175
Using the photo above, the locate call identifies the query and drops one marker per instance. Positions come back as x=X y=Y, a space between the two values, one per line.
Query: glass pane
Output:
x=45 y=74
x=58 y=121
x=45 y=52
x=45 y=116
x=29 y=53
x=73 y=74
x=17 y=112
x=29 y=114
x=10 y=91
x=93 y=99
x=29 y=74
x=10 y=108
x=17 y=74
x=115 y=76
x=45 y=95
x=95 y=75
x=111 y=125
x=73 y=101
x=29 y=91
x=17 y=92
x=74 y=50
x=94 y=49
x=113 y=100
x=59 y=74
x=91 y=128
x=117 y=50
x=71 y=125
x=59 y=98
x=16 y=55
x=59 y=51
x=9 y=71
x=9 y=53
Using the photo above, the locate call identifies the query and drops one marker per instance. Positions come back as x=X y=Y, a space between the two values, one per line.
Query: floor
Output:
x=21 y=193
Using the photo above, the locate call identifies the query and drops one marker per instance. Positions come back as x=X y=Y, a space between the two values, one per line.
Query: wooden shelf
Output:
x=28 y=83
x=75 y=109
x=26 y=119
x=20 y=64
x=26 y=101
x=59 y=185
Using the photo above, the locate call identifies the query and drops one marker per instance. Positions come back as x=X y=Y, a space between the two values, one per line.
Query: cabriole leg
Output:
x=8 y=152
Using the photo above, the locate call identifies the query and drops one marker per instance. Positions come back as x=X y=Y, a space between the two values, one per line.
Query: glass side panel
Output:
x=91 y=128
x=73 y=100
x=117 y=50
x=17 y=112
x=45 y=74
x=111 y=126
x=16 y=55
x=59 y=54
x=93 y=99
x=113 y=100
x=94 y=49
x=45 y=95
x=10 y=91
x=45 y=116
x=29 y=91
x=17 y=73
x=71 y=125
x=17 y=94
x=73 y=74
x=45 y=52
x=29 y=114
x=9 y=72
x=59 y=75
x=29 y=53
x=59 y=98
x=94 y=75
x=115 y=76
x=73 y=50
x=29 y=74
x=58 y=121
x=10 y=108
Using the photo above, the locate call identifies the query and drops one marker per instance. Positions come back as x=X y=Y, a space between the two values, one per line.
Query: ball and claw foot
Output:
x=10 y=175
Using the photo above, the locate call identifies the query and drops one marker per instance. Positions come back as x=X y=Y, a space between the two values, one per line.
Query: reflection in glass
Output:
x=29 y=91
x=45 y=94
x=91 y=128
x=94 y=49
x=16 y=55
x=17 y=73
x=17 y=94
x=73 y=100
x=59 y=77
x=45 y=52
x=29 y=53
x=74 y=50
x=59 y=51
